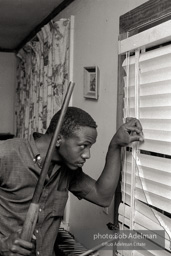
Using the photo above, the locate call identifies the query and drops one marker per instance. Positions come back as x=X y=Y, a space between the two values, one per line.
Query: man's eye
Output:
x=83 y=146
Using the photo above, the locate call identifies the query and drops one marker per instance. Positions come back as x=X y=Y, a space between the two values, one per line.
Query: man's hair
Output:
x=73 y=120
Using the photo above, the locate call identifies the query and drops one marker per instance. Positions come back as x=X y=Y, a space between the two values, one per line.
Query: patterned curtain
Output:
x=42 y=78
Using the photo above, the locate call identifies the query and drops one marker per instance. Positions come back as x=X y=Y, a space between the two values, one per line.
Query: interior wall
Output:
x=7 y=91
x=95 y=43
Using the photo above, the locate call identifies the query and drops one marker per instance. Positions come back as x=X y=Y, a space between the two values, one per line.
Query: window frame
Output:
x=145 y=16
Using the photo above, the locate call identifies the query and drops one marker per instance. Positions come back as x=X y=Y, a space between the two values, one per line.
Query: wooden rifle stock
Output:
x=32 y=214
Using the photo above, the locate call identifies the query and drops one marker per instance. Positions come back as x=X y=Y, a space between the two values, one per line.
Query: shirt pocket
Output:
x=59 y=203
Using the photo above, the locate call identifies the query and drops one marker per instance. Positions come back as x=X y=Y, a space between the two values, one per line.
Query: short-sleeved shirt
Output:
x=18 y=178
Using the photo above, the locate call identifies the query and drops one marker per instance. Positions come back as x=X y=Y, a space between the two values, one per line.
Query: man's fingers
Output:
x=136 y=138
x=24 y=244
x=129 y=132
x=133 y=129
x=133 y=122
x=135 y=132
x=134 y=125
x=20 y=250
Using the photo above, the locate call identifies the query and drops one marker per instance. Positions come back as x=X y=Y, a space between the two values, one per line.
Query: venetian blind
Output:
x=146 y=173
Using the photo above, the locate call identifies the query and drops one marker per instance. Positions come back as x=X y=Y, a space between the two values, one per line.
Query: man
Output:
x=20 y=167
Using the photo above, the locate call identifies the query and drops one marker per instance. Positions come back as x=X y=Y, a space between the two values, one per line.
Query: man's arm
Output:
x=104 y=189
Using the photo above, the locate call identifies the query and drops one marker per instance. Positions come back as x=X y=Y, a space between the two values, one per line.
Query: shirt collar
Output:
x=35 y=151
x=33 y=147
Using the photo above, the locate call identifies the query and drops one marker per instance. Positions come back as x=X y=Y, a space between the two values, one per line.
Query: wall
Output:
x=7 y=90
x=95 y=43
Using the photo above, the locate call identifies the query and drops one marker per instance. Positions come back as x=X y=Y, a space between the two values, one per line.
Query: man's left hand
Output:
x=129 y=132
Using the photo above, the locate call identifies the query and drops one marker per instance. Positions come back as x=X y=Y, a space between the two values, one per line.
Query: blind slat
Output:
x=155 y=175
x=156 y=124
x=157 y=135
x=158 y=201
x=153 y=88
x=150 y=55
x=150 y=76
x=145 y=222
x=161 y=147
x=158 y=163
x=151 y=112
x=156 y=75
x=150 y=186
x=157 y=249
x=160 y=62
x=146 y=217
x=142 y=253
x=159 y=100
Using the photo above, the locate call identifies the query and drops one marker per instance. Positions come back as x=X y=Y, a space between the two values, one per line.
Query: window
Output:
x=146 y=172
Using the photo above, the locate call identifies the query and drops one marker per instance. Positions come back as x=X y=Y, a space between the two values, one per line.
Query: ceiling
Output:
x=20 y=20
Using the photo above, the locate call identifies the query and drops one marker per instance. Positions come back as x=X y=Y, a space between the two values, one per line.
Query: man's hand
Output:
x=14 y=245
x=129 y=132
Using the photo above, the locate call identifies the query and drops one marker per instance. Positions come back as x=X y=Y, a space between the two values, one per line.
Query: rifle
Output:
x=32 y=214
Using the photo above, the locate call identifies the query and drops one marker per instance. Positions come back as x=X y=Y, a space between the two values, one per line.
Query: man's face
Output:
x=75 y=150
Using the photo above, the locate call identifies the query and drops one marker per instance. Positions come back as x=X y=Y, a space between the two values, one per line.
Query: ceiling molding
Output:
x=54 y=13
x=6 y=50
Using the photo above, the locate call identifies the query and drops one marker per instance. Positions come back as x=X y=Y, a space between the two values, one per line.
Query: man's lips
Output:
x=80 y=164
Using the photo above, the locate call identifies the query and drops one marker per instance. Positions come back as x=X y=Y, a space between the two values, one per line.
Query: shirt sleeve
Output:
x=6 y=160
x=3 y=246
x=3 y=163
x=81 y=184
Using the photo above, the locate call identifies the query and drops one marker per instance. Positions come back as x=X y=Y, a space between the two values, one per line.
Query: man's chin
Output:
x=73 y=167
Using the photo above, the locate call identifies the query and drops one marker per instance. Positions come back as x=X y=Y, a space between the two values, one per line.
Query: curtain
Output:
x=146 y=173
x=42 y=78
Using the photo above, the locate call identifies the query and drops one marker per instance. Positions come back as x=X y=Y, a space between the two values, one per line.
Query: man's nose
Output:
x=86 y=154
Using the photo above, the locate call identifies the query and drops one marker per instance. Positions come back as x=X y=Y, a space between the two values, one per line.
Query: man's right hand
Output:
x=15 y=246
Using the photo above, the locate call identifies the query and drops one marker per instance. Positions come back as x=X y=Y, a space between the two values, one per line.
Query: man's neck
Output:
x=42 y=144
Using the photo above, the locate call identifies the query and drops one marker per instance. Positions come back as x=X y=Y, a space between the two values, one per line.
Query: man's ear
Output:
x=59 y=140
